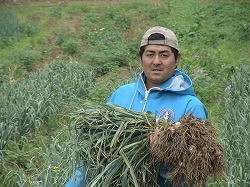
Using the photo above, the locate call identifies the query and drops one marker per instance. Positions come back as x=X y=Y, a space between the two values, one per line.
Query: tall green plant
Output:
x=11 y=29
x=10 y=25
x=236 y=128
x=24 y=105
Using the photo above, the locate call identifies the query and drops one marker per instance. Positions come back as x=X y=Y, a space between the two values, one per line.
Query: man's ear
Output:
x=178 y=59
x=140 y=59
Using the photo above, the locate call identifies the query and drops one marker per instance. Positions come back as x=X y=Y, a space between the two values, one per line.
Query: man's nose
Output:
x=157 y=60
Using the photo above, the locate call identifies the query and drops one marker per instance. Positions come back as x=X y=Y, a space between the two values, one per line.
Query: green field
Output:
x=57 y=55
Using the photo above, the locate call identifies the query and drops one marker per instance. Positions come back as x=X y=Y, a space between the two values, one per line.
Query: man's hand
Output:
x=154 y=136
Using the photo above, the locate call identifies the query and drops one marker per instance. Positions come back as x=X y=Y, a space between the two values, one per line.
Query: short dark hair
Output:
x=157 y=36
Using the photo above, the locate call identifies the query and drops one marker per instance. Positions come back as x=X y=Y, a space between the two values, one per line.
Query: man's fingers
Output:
x=178 y=123
x=153 y=136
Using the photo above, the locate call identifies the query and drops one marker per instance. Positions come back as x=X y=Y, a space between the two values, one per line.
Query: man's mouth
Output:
x=157 y=70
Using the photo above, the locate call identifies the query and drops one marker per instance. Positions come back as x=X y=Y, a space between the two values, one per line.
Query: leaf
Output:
x=130 y=167
x=98 y=177
x=117 y=134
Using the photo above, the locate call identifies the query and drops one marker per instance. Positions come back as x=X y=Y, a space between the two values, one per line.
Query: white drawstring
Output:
x=146 y=93
x=134 y=94
x=146 y=98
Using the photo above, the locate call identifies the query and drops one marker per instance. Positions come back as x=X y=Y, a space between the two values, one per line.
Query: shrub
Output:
x=30 y=29
x=56 y=12
x=120 y=16
x=60 y=36
x=26 y=58
x=71 y=46
x=108 y=50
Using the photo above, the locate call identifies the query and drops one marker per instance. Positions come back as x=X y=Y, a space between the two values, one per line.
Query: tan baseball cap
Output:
x=170 y=38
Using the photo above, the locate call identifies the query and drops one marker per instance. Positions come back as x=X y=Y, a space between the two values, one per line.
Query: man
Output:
x=160 y=88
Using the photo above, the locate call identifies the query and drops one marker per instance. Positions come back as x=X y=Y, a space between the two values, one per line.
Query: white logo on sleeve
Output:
x=167 y=114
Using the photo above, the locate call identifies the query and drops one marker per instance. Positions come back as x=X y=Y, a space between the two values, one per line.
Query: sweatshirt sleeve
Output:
x=119 y=98
x=111 y=99
x=197 y=109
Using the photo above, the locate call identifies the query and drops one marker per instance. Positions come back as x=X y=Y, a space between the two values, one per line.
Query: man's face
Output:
x=158 y=63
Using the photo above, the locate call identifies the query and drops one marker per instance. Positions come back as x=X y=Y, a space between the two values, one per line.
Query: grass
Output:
x=103 y=37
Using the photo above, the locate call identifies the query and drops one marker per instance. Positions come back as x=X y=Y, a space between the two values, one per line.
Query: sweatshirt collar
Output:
x=179 y=83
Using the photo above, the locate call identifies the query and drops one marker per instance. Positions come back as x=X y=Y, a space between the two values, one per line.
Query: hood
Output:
x=179 y=83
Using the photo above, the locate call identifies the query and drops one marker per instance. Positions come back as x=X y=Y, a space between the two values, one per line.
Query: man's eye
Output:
x=150 y=55
x=164 y=55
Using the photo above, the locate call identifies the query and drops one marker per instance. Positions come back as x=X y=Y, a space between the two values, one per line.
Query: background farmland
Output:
x=56 y=55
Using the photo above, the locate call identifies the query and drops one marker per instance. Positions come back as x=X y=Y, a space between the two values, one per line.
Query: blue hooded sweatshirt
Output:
x=172 y=100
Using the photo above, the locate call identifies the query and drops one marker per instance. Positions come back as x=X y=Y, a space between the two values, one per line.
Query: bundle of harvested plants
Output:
x=115 y=147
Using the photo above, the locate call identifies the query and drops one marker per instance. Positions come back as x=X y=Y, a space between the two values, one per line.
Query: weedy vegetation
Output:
x=57 y=55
